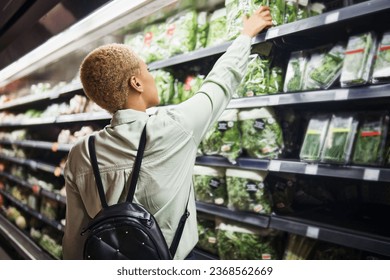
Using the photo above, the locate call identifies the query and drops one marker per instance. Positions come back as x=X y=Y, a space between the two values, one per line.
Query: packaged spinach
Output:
x=371 y=139
x=155 y=45
x=136 y=42
x=277 y=11
x=303 y=10
x=339 y=139
x=207 y=234
x=295 y=72
x=202 y=30
x=246 y=191
x=255 y=80
x=358 y=59
x=181 y=32
x=314 y=138
x=217 y=28
x=381 y=72
x=190 y=86
x=261 y=133
x=165 y=86
x=235 y=10
x=241 y=242
x=224 y=138
x=290 y=11
x=210 y=185
x=275 y=80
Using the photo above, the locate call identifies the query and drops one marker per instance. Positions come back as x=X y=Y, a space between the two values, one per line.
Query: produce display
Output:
x=261 y=133
x=202 y=30
x=275 y=81
x=210 y=185
x=246 y=191
x=190 y=86
x=295 y=72
x=217 y=28
x=277 y=11
x=290 y=11
x=381 y=72
x=165 y=86
x=358 y=59
x=207 y=235
x=235 y=11
x=155 y=45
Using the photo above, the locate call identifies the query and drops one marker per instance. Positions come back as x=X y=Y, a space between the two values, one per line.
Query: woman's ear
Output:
x=136 y=84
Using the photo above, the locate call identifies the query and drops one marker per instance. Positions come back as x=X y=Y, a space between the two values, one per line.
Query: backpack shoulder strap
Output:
x=96 y=173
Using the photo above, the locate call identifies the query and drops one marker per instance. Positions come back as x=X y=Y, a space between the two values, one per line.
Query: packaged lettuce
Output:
x=303 y=9
x=277 y=11
x=136 y=42
x=275 y=80
x=381 y=72
x=191 y=85
x=165 y=86
x=339 y=139
x=246 y=191
x=181 y=32
x=224 y=137
x=314 y=138
x=261 y=133
x=207 y=234
x=290 y=11
x=155 y=45
x=217 y=28
x=295 y=72
x=255 y=80
x=241 y=242
x=177 y=92
x=210 y=185
x=316 y=9
x=358 y=59
x=371 y=139
x=202 y=30
x=235 y=11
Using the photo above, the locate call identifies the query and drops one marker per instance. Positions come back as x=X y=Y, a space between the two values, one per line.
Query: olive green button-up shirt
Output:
x=173 y=136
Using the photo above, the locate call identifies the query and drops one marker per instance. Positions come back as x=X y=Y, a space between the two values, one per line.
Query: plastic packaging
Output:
x=275 y=80
x=235 y=11
x=202 y=30
x=381 y=72
x=155 y=43
x=290 y=11
x=165 y=86
x=190 y=86
x=217 y=28
x=295 y=72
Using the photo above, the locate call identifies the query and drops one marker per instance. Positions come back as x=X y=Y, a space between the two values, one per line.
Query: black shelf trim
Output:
x=34 y=165
x=25 y=247
x=202 y=255
x=254 y=219
x=39 y=145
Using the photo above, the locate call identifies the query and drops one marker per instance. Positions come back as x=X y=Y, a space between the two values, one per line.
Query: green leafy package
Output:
x=339 y=139
x=235 y=11
x=136 y=42
x=371 y=139
x=358 y=59
x=303 y=10
x=202 y=30
x=316 y=9
x=255 y=80
x=290 y=11
x=381 y=72
x=207 y=234
x=181 y=32
x=224 y=137
x=275 y=81
x=261 y=133
x=191 y=85
x=314 y=138
x=239 y=242
x=155 y=45
x=246 y=191
x=165 y=86
x=217 y=28
x=210 y=185
x=177 y=92
x=277 y=11
x=295 y=72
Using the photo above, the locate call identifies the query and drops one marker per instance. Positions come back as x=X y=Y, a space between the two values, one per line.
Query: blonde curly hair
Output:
x=105 y=74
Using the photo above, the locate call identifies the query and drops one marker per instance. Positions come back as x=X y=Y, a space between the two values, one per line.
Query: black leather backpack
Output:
x=126 y=231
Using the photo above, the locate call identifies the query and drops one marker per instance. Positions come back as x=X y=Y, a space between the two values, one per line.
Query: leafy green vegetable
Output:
x=50 y=245
x=210 y=185
x=136 y=42
x=316 y=9
x=165 y=86
x=190 y=86
x=202 y=30
x=277 y=11
x=155 y=47
x=358 y=59
x=235 y=10
x=246 y=191
x=295 y=72
x=177 y=92
x=371 y=140
x=207 y=235
x=217 y=28
x=255 y=80
x=290 y=11
x=181 y=32
x=275 y=83
x=381 y=72
x=302 y=11
x=339 y=139
x=261 y=133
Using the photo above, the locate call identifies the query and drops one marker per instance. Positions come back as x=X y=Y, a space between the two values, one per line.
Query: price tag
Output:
x=371 y=174
x=59 y=227
x=311 y=169
x=312 y=232
x=54 y=147
x=272 y=33
x=333 y=17
x=58 y=197
x=57 y=171
x=273 y=100
x=341 y=95
x=274 y=165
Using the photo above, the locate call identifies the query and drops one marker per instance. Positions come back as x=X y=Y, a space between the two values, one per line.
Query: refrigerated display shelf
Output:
x=24 y=246
x=32 y=212
x=39 y=145
x=35 y=188
x=34 y=165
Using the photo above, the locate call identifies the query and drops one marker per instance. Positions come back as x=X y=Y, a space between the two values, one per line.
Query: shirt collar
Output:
x=128 y=116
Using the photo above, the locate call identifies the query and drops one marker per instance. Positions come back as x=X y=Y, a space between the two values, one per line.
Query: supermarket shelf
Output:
x=339 y=235
x=34 y=165
x=25 y=247
x=83 y=117
x=254 y=219
x=35 y=188
x=39 y=145
x=35 y=214
x=202 y=255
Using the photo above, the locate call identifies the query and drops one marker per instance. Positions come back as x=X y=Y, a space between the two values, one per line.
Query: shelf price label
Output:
x=272 y=33
x=333 y=17
x=341 y=95
x=311 y=169
x=371 y=174
x=273 y=100
x=312 y=232
x=274 y=165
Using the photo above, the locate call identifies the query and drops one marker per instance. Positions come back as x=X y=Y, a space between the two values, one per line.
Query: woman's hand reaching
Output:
x=258 y=21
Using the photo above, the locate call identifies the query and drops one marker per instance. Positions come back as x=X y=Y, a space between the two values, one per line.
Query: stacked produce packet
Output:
x=165 y=86
x=381 y=72
x=217 y=28
x=202 y=30
x=155 y=43
x=295 y=71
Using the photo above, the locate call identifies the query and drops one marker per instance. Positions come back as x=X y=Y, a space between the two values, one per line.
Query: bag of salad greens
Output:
x=165 y=86
x=217 y=28
x=246 y=191
x=290 y=11
x=202 y=30
x=242 y=242
x=339 y=139
x=136 y=42
x=303 y=10
x=371 y=139
x=314 y=138
x=295 y=71
x=261 y=133
x=177 y=92
x=275 y=80
x=358 y=59
x=155 y=45
x=210 y=185
x=316 y=8
x=190 y=86
x=224 y=138
x=381 y=72
x=207 y=234
x=235 y=11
